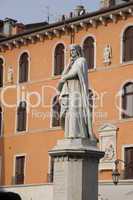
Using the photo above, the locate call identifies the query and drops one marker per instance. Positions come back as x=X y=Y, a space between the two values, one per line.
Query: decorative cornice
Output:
x=2 y=48
x=23 y=41
x=103 y=20
x=9 y=46
x=113 y=17
x=107 y=127
x=32 y=39
x=83 y=24
x=130 y=11
x=57 y=29
x=93 y=22
x=123 y=15
x=57 y=32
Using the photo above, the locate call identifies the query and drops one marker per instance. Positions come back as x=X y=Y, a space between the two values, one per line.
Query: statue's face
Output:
x=73 y=53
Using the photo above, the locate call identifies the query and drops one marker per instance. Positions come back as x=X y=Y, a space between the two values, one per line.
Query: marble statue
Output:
x=10 y=75
x=75 y=114
x=107 y=54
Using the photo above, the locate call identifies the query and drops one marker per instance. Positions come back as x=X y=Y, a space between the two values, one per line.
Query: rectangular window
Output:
x=0 y=170
x=21 y=125
x=1 y=120
x=21 y=116
x=19 y=169
x=23 y=68
x=129 y=163
x=1 y=72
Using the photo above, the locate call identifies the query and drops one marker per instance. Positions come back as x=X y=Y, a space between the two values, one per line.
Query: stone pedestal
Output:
x=76 y=169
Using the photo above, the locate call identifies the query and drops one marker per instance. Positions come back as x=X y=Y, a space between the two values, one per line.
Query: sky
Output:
x=30 y=11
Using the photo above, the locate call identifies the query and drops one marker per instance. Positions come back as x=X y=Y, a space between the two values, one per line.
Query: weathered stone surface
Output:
x=76 y=169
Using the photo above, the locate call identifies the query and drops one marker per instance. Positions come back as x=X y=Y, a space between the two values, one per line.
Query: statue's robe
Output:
x=75 y=113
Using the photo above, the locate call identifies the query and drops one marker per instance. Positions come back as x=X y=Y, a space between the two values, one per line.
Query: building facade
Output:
x=31 y=62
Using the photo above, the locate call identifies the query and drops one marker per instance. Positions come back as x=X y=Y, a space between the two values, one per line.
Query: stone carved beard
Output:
x=78 y=52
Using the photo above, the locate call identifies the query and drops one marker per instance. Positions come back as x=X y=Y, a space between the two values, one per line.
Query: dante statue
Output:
x=75 y=113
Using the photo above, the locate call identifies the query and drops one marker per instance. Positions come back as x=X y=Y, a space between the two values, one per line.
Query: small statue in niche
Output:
x=10 y=75
x=107 y=54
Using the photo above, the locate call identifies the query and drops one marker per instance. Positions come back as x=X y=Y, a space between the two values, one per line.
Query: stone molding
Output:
x=56 y=30
x=75 y=148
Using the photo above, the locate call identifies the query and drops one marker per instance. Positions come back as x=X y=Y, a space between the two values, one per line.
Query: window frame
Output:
x=125 y=48
x=1 y=168
x=1 y=69
x=51 y=121
x=126 y=174
x=121 y=44
x=95 y=48
x=53 y=57
x=14 y=167
x=1 y=131
x=29 y=66
x=4 y=63
x=121 y=102
x=123 y=157
x=16 y=120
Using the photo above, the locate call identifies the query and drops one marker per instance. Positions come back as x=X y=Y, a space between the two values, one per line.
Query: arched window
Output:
x=88 y=49
x=21 y=116
x=59 y=59
x=127 y=101
x=128 y=44
x=55 y=112
x=91 y=102
x=1 y=72
x=23 y=68
x=1 y=121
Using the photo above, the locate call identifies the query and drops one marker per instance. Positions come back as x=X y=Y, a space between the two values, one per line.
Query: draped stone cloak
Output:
x=75 y=112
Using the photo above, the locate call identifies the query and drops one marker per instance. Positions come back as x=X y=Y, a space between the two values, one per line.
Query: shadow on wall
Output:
x=9 y=196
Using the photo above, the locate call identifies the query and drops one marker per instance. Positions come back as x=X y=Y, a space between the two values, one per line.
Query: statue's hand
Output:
x=60 y=85
x=62 y=80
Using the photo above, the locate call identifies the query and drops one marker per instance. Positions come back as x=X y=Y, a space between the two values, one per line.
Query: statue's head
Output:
x=75 y=51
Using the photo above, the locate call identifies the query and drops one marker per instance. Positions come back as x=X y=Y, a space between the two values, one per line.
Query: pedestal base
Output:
x=76 y=169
